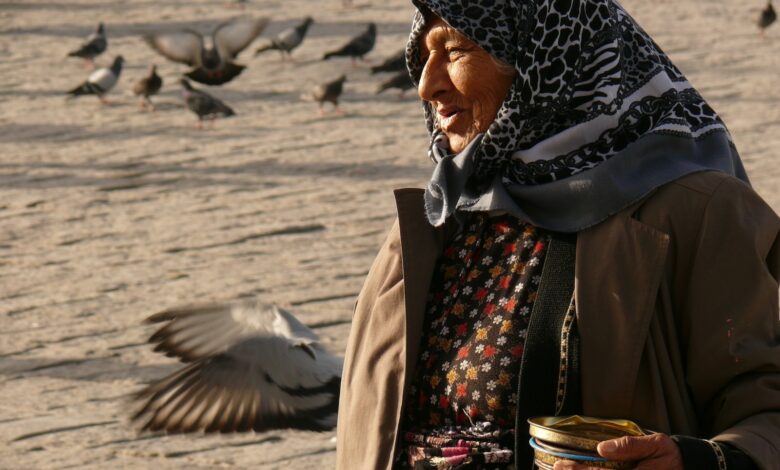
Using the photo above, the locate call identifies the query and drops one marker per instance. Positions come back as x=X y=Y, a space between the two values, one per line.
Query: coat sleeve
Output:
x=731 y=329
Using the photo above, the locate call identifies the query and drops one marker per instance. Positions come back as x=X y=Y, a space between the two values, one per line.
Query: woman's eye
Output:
x=456 y=51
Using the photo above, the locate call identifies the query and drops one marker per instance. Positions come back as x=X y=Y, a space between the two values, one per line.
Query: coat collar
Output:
x=619 y=266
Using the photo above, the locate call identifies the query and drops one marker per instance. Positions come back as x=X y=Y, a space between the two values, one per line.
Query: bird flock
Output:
x=212 y=61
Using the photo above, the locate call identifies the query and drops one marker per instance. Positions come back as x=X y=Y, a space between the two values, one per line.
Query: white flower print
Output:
x=522 y=333
x=501 y=340
x=528 y=243
x=533 y=261
x=491 y=385
x=462 y=253
x=490 y=297
x=486 y=367
x=505 y=361
x=457 y=343
x=467 y=290
x=513 y=259
x=502 y=301
x=434 y=399
x=487 y=260
x=448 y=389
x=425 y=355
x=489 y=283
x=519 y=287
x=464 y=365
x=479 y=348
x=524 y=310
x=536 y=279
x=446 y=366
x=498 y=319
x=475 y=395
x=473 y=313
x=444 y=331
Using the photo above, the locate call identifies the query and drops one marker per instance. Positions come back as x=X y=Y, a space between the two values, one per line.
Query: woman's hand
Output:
x=654 y=452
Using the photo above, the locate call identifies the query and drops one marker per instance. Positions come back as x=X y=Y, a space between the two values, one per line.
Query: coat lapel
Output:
x=619 y=267
x=421 y=245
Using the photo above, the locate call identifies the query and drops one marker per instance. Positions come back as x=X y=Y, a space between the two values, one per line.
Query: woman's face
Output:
x=464 y=85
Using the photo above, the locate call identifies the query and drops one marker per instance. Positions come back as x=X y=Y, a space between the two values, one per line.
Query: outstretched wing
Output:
x=232 y=37
x=259 y=383
x=197 y=332
x=253 y=366
x=183 y=46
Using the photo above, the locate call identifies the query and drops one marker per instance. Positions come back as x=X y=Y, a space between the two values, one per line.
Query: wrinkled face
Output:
x=462 y=82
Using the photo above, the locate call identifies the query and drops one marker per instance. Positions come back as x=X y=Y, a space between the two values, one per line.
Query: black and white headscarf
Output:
x=597 y=116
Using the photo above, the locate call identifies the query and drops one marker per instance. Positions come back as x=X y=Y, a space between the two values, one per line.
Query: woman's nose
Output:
x=434 y=80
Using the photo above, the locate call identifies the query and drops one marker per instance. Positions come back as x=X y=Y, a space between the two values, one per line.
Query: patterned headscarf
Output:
x=591 y=91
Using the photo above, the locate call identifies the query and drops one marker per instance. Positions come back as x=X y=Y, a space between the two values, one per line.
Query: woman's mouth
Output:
x=448 y=115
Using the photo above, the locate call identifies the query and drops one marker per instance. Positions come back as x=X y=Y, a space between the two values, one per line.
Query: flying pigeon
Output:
x=203 y=104
x=249 y=367
x=100 y=81
x=148 y=86
x=328 y=92
x=358 y=46
x=211 y=57
x=288 y=39
x=394 y=63
x=95 y=44
x=768 y=16
x=400 y=81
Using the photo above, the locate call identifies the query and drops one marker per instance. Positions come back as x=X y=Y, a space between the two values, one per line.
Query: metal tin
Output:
x=576 y=438
x=580 y=432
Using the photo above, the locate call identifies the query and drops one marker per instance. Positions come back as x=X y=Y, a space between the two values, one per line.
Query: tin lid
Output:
x=580 y=432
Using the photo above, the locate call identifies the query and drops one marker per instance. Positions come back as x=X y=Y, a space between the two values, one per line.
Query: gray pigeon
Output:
x=288 y=39
x=205 y=106
x=249 y=367
x=767 y=18
x=357 y=47
x=211 y=57
x=101 y=81
x=148 y=86
x=394 y=63
x=329 y=92
x=95 y=44
x=401 y=81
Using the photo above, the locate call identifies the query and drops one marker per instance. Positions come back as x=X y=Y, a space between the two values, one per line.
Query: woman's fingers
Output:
x=654 y=451
x=649 y=452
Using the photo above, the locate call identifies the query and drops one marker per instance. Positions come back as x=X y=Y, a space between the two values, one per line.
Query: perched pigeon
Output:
x=249 y=367
x=210 y=56
x=329 y=92
x=768 y=16
x=358 y=46
x=148 y=86
x=394 y=63
x=100 y=81
x=95 y=44
x=203 y=104
x=288 y=39
x=401 y=81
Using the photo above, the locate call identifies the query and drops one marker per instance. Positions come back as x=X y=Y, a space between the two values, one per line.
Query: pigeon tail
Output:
x=86 y=88
x=271 y=46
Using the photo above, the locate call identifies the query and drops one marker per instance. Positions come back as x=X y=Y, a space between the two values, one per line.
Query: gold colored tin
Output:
x=577 y=436
x=580 y=432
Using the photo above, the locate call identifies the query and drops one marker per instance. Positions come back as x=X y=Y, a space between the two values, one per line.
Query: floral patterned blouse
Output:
x=461 y=407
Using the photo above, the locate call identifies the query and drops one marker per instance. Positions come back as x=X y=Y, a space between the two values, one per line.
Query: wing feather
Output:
x=183 y=46
x=232 y=37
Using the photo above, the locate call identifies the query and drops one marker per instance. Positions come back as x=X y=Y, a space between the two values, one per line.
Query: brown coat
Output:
x=677 y=306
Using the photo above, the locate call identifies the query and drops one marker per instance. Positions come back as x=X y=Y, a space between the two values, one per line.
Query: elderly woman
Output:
x=588 y=243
